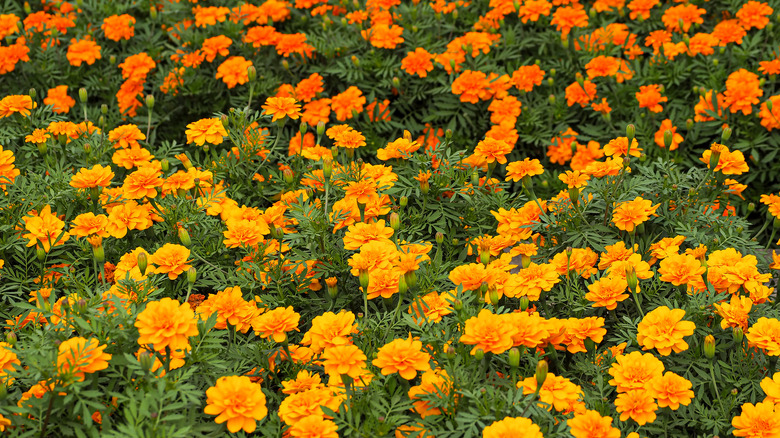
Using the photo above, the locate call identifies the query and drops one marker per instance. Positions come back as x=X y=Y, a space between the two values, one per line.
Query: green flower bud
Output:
x=411 y=278
x=142 y=262
x=479 y=354
x=514 y=357
x=395 y=221
x=493 y=296
x=363 y=279
x=439 y=237
x=541 y=373
x=192 y=274
x=737 y=333
x=184 y=237
x=457 y=305
x=402 y=286
x=40 y=253
x=83 y=95
x=99 y=253
x=725 y=135
x=709 y=347
x=403 y=201
x=668 y=139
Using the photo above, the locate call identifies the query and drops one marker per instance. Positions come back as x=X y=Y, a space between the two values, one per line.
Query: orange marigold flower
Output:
x=636 y=404
x=641 y=8
x=511 y=426
x=329 y=330
x=301 y=405
x=649 y=96
x=488 y=332
x=418 y=62
x=471 y=86
x=126 y=136
x=58 y=98
x=742 y=91
x=590 y=424
x=344 y=359
x=754 y=14
x=80 y=51
x=666 y=125
x=671 y=390
x=217 y=45
x=344 y=104
x=384 y=36
x=45 y=229
x=97 y=176
x=734 y=313
x=280 y=107
x=142 y=183
x=534 y=9
x=517 y=170
x=607 y=292
x=629 y=214
x=166 y=324
x=765 y=334
x=664 y=330
x=314 y=426
x=276 y=323
x=492 y=150
x=171 y=259
x=634 y=370
x=618 y=147
x=78 y=356
x=580 y=329
x=87 y=224
x=309 y=88
x=686 y=14
x=602 y=66
x=527 y=76
x=534 y=279
x=581 y=94
x=770 y=119
x=761 y=420
x=729 y=31
x=558 y=392
x=568 y=17
x=680 y=269
x=231 y=308
x=16 y=104
x=402 y=356
x=209 y=16
x=287 y=44
x=208 y=130
x=119 y=27
x=233 y=71
x=238 y=401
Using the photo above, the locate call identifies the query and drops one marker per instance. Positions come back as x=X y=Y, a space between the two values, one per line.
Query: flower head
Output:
x=78 y=356
x=171 y=259
x=402 y=356
x=238 y=401
x=206 y=130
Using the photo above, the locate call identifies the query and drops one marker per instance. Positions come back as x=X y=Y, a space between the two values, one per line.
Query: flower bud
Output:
x=355 y=61
x=286 y=64
x=631 y=279
x=484 y=256
x=251 y=73
x=541 y=373
x=403 y=201
x=524 y=302
x=725 y=135
x=288 y=176
x=11 y=338
x=395 y=221
x=769 y=105
x=83 y=95
x=425 y=186
x=402 y=286
x=448 y=134
x=396 y=82
x=450 y=352
x=709 y=347
x=551 y=81
x=714 y=159
x=514 y=357
x=474 y=178
x=751 y=207
x=737 y=333
x=27 y=9
x=667 y=139
x=142 y=262
x=40 y=253
x=590 y=345
x=411 y=278
x=333 y=289
x=192 y=274
x=112 y=59
x=551 y=99
x=184 y=237
x=146 y=359
x=99 y=253
x=457 y=305
x=493 y=295
x=43 y=148
x=439 y=237
x=479 y=354
x=327 y=168
x=363 y=278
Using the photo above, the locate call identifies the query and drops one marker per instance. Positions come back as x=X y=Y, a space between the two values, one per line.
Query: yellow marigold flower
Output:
x=680 y=269
x=361 y=233
x=517 y=170
x=206 y=130
x=671 y=390
x=344 y=359
x=276 y=323
x=664 y=329
x=765 y=334
x=45 y=229
x=607 y=292
x=433 y=383
x=734 y=313
x=231 y=308
x=300 y=405
x=171 y=259
x=38 y=136
x=629 y=214
x=636 y=404
x=574 y=179
x=238 y=401
x=97 y=176
x=512 y=426
x=330 y=329
x=771 y=387
x=142 y=183
x=531 y=281
x=761 y=420
x=314 y=426
x=166 y=323
x=281 y=107
x=557 y=391
x=126 y=136
x=634 y=370
x=87 y=224
x=402 y=356
x=78 y=356
x=590 y=424
x=8 y=361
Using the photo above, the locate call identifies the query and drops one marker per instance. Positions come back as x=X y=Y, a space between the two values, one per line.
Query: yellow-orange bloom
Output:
x=402 y=356
x=171 y=259
x=97 y=176
x=488 y=332
x=166 y=324
x=78 y=356
x=280 y=107
x=206 y=130
x=276 y=323
x=761 y=420
x=629 y=214
x=238 y=401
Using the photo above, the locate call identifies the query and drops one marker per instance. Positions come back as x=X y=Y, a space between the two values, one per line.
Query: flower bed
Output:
x=449 y=219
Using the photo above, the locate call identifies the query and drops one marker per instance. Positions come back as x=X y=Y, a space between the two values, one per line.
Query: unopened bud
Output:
x=689 y=124
x=668 y=139
x=737 y=333
x=514 y=357
x=457 y=305
x=355 y=61
x=709 y=347
x=83 y=95
x=524 y=303
x=479 y=354
x=184 y=237
x=493 y=295
x=541 y=373
x=448 y=134
x=769 y=105
x=396 y=82
x=395 y=221
x=439 y=237
x=251 y=73
x=11 y=338
x=40 y=253
x=631 y=279
x=403 y=201
x=99 y=253
x=402 y=286
x=288 y=176
x=725 y=135
x=327 y=168
x=192 y=274
x=142 y=262
x=363 y=278
x=286 y=64
x=146 y=360
x=630 y=132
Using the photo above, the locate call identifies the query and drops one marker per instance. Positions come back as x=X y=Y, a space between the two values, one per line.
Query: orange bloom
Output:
x=166 y=324
x=344 y=104
x=171 y=259
x=629 y=214
x=88 y=224
x=488 y=332
x=296 y=407
x=510 y=427
x=607 y=292
x=119 y=27
x=142 y=183
x=568 y=17
x=649 y=96
x=309 y=88
x=329 y=330
x=641 y=8
x=344 y=359
x=729 y=163
x=471 y=86
x=280 y=107
x=78 y=356
x=558 y=392
x=97 y=176
x=742 y=91
x=754 y=14
x=218 y=45
x=685 y=14
x=491 y=150
x=58 y=98
x=734 y=313
x=664 y=330
x=314 y=426
x=209 y=16
x=233 y=71
x=418 y=62
x=534 y=9
x=402 y=356
x=636 y=404
x=517 y=170
x=770 y=119
x=525 y=77
x=287 y=44
x=680 y=269
x=761 y=420
x=384 y=36
x=16 y=104
x=276 y=323
x=208 y=130
x=590 y=424
x=45 y=229
x=634 y=370
x=126 y=136
x=581 y=94
x=666 y=125
x=765 y=334
x=238 y=401
x=671 y=390
x=602 y=66
x=231 y=308
x=84 y=50
x=729 y=31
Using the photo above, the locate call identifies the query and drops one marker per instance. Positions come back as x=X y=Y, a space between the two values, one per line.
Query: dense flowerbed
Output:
x=437 y=219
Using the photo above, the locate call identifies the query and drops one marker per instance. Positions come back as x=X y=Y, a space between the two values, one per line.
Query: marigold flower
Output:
x=8 y=361
x=16 y=104
x=671 y=390
x=171 y=259
x=511 y=426
x=58 y=98
x=384 y=36
x=45 y=229
x=471 y=86
x=770 y=119
x=649 y=96
x=330 y=329
x=634 y=370
x=757 y=421
x=142 y=183
x=119 y=27
x=567 y=17
x=630 y=214
x=343 y=104
x=314 y=426
x=78 y=356
x=418 y=62
x=234 y=71
x=166 y=324
x=517 y=170
x=636 y=404
x=82 y=51
x=89 y=224
x=558 y=392
x=280 y=107
x=402 y=356
x=527 y=76
x=231 y=308
x=666 y=125
x=126 y=136
x=431 y=307
x=734 y=313
x=488 y=332
x=238 y=401
x=590 y=424
x=581 y=94
x=206 y=130
x=664 y=330
x=754 y=14
x=685 y=14
x=276 y=323
x=344 y=359
x=729 y=163
x=302 y=404
x=765 y=334
x=742 y=91
x=492 y=150
x=607 y=292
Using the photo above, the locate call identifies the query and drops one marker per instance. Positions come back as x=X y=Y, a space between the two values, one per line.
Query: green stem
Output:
x=636 y=300
x=717 y=392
